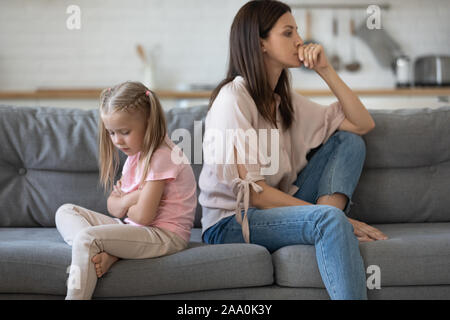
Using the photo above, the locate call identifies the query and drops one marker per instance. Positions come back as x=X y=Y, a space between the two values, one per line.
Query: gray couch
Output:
x=49 y=157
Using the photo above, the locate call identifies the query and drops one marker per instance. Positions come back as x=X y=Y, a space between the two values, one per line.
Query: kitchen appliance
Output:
x=335 y=60
x=402 y=70
x=432 y=70
x=148 y=78
x=383 y=46
x=354 y=64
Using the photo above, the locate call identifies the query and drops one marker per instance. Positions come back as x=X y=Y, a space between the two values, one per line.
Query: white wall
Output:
x=37 y=49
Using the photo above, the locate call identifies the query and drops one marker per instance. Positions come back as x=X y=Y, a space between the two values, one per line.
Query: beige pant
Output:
x=90 y=233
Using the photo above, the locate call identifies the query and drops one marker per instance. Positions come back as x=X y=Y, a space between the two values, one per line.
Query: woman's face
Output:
x=280 y=48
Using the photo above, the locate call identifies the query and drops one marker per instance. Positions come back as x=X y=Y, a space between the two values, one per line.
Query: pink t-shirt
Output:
x=176 y=210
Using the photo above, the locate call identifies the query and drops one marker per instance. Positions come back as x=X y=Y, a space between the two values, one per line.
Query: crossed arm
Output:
x=141 y=206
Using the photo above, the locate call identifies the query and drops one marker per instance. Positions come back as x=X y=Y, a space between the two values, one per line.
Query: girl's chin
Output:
x=128 y=152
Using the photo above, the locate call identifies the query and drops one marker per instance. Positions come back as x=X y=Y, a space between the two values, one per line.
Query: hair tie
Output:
x=147 y=93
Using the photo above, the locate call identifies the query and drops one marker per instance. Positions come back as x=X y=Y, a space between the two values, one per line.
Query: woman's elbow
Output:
x=370 y=128
x=254 y=200
x=257 y=199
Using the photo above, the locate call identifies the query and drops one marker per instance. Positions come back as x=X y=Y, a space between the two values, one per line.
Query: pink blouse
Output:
x=277 y=156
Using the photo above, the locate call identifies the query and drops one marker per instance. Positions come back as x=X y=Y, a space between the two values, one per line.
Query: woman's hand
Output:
x=366 y=233
x=358 y=119
x=313 y=56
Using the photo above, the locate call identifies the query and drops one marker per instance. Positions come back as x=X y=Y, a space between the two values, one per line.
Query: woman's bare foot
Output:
x=103 y=261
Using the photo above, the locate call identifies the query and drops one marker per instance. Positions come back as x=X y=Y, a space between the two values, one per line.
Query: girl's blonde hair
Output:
x=129 y=97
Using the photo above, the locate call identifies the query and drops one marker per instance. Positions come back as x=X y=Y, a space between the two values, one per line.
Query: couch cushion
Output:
x=49 y=157
x=35 y=260
x=406 y=176
x=414 y=254
x=186 y=127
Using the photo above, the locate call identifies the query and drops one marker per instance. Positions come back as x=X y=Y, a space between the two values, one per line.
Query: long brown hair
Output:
x=129 y=97
x=253 y=22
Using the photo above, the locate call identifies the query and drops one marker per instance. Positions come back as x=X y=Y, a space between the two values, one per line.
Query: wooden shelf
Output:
x=172 y=94
x=422 y=91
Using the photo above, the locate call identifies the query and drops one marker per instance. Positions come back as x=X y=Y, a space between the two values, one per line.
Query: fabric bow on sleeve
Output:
x=242 y=189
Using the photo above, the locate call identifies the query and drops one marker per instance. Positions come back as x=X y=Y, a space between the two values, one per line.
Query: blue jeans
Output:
x=335 y=167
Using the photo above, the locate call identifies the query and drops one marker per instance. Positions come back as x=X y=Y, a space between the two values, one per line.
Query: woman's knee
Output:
x=332 y=218
x=352 y=140
x=352 y=147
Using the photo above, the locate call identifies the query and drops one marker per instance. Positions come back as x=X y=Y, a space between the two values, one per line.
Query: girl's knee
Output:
x=67 y=207
x=85 y=236
x=87 y=241
x=63 y=210
x=89 y=233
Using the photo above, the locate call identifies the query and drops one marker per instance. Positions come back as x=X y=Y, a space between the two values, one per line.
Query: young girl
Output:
x=156 y=195
x=304 y=201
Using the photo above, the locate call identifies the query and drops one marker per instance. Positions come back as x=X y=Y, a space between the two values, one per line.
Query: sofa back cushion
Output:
x=186 y=127
x=406 y=176
x=49 y=157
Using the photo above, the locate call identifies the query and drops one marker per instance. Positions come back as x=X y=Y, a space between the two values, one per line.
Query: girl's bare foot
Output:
x=103 y=261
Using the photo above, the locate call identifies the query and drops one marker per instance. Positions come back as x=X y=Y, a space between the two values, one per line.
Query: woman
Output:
x=301 y=202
